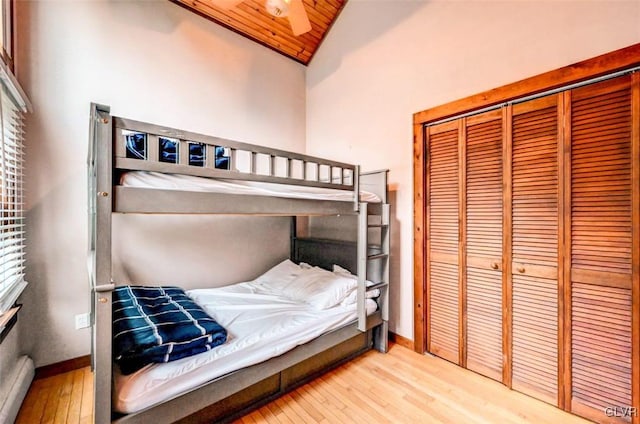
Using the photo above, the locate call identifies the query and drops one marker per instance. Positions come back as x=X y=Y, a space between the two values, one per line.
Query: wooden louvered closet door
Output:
x=443 y=308
x=535 y=248
x=601 y=248
x=483 y=240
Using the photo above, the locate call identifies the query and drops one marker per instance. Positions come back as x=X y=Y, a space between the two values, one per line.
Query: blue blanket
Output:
x=159 y=324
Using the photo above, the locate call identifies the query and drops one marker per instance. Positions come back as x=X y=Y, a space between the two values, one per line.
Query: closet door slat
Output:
x=535 y=248
x=443 y=238
x=484 y=193
x=601 y=248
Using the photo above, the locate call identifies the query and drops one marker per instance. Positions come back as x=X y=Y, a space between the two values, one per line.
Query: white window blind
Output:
x=12 y=231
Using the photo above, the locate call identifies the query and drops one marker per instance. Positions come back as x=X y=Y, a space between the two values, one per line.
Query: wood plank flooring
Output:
x=64 y=398
x=400 y=387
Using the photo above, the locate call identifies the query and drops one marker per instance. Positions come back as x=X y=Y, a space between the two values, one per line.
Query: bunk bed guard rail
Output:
x=148 y=147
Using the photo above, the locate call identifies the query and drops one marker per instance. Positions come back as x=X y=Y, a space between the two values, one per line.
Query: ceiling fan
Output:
x=292 y=9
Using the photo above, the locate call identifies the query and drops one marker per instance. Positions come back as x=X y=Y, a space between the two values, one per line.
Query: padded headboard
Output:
x=325 y=253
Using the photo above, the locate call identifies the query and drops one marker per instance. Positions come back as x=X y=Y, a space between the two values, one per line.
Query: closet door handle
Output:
x=521 y=270
x=494 y=265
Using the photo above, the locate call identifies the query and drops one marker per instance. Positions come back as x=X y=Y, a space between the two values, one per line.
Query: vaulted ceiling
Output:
x=251 y=19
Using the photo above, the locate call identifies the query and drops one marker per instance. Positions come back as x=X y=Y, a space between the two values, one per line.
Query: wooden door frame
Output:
x=617 y=60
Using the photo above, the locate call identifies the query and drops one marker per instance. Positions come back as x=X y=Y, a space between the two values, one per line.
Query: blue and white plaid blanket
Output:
x=159 y=324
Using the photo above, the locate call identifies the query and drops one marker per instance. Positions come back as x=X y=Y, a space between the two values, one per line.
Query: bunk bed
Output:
x=141 y=168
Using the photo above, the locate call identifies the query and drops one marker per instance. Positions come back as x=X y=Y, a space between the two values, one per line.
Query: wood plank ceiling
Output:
x=251 y=19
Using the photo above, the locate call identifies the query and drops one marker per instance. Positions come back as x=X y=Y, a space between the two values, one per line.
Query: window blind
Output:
x=12 y=239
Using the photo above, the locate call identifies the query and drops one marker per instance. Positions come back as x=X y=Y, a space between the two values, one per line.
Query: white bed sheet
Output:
x=260 y=325
x=159 y=180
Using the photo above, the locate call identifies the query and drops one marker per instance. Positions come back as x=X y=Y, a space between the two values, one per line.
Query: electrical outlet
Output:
x=82 y=321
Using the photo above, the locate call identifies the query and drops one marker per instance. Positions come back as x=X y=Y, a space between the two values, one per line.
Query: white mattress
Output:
x=151 y=179
x=260 y=325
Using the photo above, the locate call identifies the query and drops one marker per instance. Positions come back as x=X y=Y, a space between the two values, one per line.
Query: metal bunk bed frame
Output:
x=233 y=394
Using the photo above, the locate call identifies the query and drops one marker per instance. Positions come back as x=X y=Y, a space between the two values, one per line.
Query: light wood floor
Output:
x=400 y=387
x=64 y=398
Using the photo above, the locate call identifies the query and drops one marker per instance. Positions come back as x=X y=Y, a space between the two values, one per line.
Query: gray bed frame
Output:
x=234 y=394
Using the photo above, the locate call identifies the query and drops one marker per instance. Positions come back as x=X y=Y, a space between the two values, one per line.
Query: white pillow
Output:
x=339 y=270
x=353 y=296
x=280 y=275
x=320 y=288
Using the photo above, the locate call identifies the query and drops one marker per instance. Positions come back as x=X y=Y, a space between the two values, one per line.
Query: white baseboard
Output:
x=22 y=378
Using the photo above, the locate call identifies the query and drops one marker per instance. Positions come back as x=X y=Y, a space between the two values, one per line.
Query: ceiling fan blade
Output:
x=225 y=4
x=298 y=18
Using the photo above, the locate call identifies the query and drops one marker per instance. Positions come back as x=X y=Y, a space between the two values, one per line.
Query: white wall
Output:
x=151 y=61
x=385 y=60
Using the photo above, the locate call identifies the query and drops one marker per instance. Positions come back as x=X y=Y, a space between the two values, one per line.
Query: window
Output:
x=11 y=200
x=13 y=104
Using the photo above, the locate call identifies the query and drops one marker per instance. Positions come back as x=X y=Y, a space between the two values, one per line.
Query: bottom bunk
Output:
x=233 y=395
x=283 y=328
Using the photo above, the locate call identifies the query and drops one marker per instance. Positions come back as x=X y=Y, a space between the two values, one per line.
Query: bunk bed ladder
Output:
x=365 y=255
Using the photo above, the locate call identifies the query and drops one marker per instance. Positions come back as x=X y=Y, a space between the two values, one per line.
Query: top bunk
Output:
x=155 y=169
